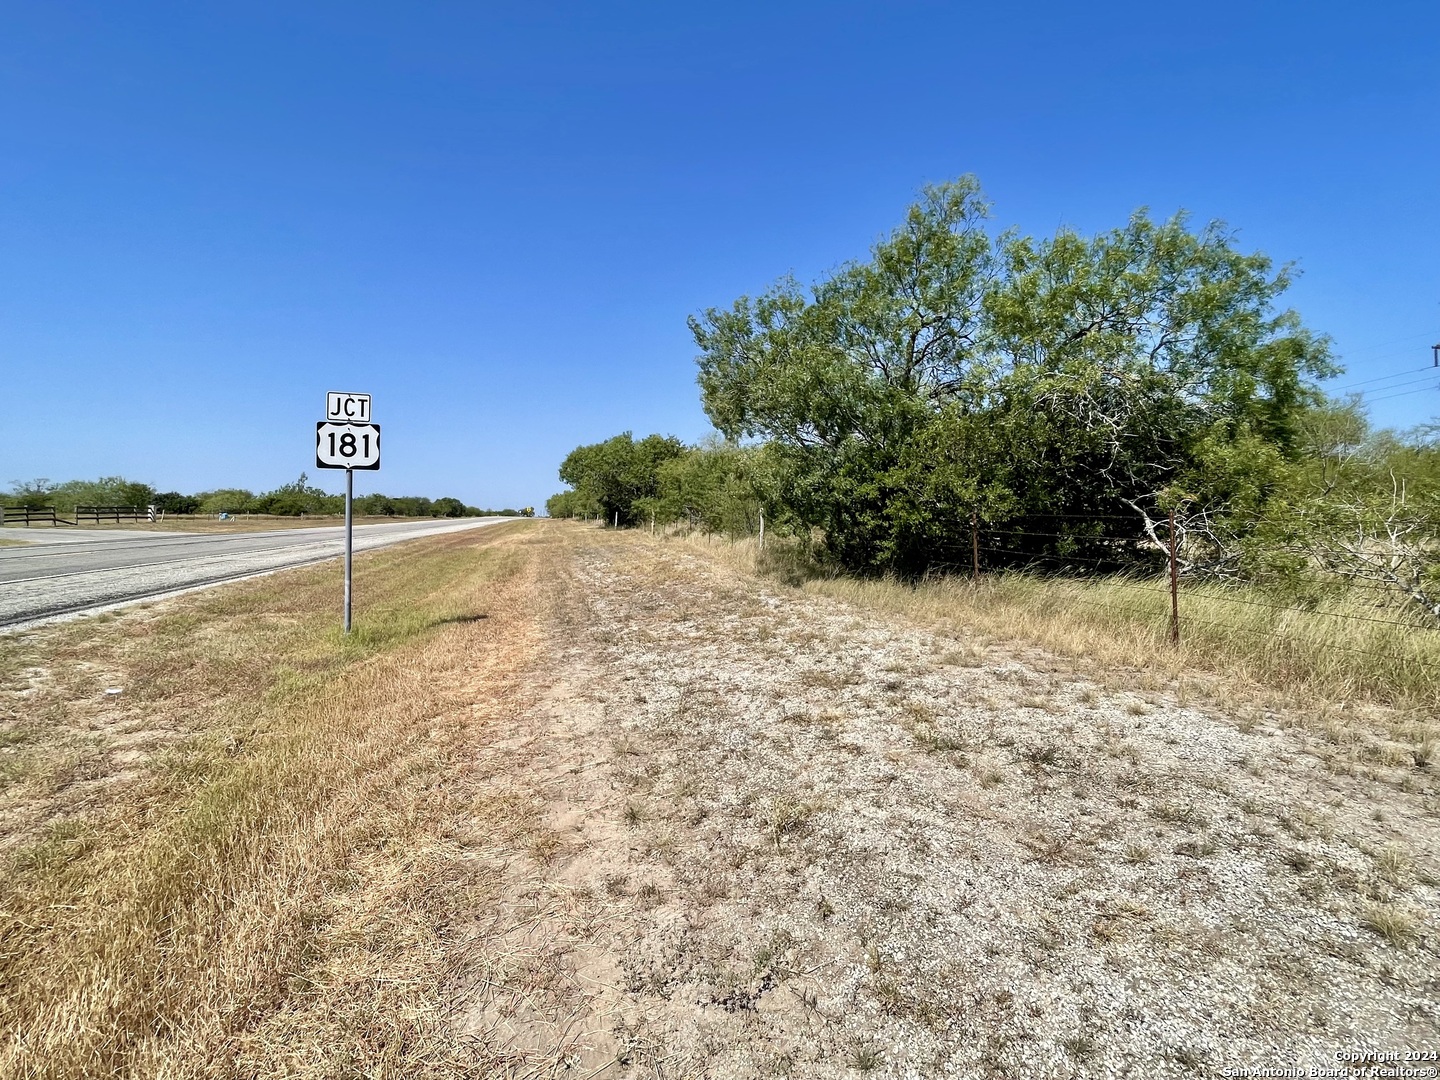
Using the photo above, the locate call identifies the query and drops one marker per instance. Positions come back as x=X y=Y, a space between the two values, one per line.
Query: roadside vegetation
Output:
x=1047 y=417
x=295 y=499
x=1366 y=686
x=580 y=802
x=208 y=811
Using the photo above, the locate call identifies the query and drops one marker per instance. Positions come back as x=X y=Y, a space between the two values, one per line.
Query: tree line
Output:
x=296 y=498
x=1062 y=395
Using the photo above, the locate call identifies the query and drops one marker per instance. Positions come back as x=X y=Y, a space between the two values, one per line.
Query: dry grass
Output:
x=589 y=803
x=1396 y=925
x=239 y=865
x=1306 y=657
x=958 y=830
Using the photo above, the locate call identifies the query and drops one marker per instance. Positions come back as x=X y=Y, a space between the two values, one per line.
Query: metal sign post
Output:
x=343 y=443
x=349 y=543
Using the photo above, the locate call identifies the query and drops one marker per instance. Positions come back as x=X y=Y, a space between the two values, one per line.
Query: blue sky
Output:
x=495 y=218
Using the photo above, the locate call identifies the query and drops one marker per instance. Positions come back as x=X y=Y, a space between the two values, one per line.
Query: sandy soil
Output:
x=762 y=833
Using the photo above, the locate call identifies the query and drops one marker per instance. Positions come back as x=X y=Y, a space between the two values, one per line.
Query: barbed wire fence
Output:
x=1168 y=586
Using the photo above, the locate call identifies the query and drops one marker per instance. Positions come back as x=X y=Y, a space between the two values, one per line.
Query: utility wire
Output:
x=1377 y=378
x=1432 y=375
x=1387 y=397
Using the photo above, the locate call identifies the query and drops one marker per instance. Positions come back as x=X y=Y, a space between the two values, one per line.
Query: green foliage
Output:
x=106 y=491
x=378 y=505
x=35 y=493
x=1061 y=394
x=572 y=504
x=615 y=475
x=718 y=486
x=1046 y=385
x=448 y=507
x=296 y=498
x=172 y=502
x=1356 y=507
x=225 y=501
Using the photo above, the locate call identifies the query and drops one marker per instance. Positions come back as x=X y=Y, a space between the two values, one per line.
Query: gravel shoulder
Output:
x=765 y=833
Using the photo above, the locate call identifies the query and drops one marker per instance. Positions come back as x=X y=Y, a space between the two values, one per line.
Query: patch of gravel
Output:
x=848 y=843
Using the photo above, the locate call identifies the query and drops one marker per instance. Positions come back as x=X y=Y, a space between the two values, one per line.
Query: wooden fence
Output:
x=45 y=515
x=98 y=514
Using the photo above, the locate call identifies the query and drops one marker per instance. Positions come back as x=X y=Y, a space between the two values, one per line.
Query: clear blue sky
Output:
x=495 y=218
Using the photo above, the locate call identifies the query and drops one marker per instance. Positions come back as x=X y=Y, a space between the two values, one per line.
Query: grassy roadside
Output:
x=1330 y=670
x=252 y=820
x=591 y=801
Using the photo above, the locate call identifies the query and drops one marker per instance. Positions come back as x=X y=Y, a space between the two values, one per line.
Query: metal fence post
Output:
x=1174 y=587
x=975 y=547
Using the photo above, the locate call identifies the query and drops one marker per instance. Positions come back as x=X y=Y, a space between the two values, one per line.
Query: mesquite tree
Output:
x=1043 y=386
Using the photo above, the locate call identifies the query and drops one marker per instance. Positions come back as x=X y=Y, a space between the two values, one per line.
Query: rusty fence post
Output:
x=1174 y=587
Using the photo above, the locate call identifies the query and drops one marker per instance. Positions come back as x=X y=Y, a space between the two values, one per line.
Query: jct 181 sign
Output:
x=347 y=440
x=347 y=446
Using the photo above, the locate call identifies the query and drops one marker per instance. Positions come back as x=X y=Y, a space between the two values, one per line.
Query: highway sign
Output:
x=347 y=446
x=347 y=440
x=345 y=408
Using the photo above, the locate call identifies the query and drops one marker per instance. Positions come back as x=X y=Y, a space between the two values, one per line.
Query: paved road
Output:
x=66 y=571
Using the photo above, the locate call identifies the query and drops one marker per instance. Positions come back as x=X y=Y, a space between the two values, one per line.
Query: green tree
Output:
x=33 y=493
x=375 y=505
x=715 y=486
x=296 y=498
x=226 y=501
x=172 y=502
x=106 y=491
x=614 y=474
x=1047 y=386
x=572 y=504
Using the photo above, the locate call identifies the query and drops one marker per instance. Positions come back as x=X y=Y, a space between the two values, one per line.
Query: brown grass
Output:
x=579 y=800
x=271 y=878
x=962 y=823
x=1327 y=667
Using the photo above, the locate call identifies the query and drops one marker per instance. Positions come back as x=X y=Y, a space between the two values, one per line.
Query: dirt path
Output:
x=760 y=833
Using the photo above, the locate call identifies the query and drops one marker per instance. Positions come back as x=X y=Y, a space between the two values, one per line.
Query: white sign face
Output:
x=347 y=446
x=343 y=408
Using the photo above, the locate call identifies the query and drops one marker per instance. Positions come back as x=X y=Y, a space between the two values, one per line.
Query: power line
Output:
x=1381 y=346
x=1387 y=397
x=1379 y=378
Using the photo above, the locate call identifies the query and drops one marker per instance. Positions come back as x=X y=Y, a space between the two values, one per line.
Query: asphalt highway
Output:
x=69 y=571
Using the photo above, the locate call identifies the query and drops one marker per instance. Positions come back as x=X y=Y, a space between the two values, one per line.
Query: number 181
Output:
x=347 y=445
